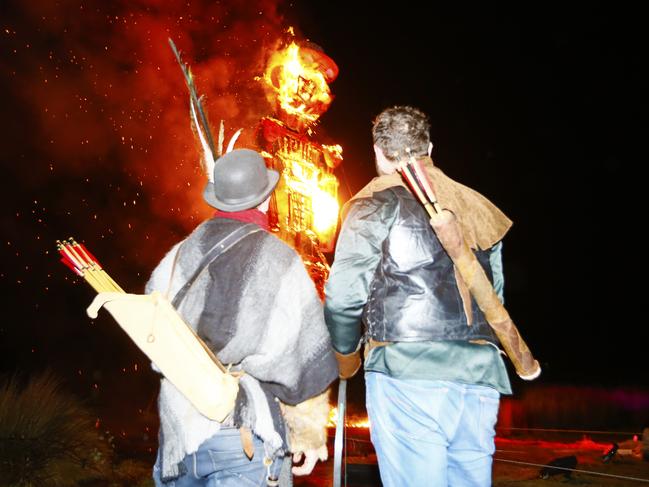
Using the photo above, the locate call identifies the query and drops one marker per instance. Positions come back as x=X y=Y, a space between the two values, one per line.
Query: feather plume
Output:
x=221 y=137
x=207 y=161
x=233 y=140
x=199 y=119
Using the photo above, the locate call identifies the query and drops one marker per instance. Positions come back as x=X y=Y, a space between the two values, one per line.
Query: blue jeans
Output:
x=220 y=461
x=431 y=432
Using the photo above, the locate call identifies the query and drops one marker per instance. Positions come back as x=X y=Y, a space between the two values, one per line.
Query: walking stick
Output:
x=340 y=432
x=449 y=233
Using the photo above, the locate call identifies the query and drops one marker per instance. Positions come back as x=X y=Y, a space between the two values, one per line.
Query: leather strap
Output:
x=217 y=249
x=246 y=442
x=221 y=246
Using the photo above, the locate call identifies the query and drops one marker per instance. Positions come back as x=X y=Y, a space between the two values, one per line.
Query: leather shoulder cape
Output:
x=483 y=223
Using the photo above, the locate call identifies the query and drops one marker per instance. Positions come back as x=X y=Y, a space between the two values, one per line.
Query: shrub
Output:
x=47 y=437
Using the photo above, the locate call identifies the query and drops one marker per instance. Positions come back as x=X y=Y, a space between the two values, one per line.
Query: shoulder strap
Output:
x=221 y=246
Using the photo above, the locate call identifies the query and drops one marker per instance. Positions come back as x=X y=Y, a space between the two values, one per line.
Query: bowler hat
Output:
x=241 y=181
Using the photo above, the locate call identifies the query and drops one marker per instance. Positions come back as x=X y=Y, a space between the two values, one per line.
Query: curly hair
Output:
x=400 y=129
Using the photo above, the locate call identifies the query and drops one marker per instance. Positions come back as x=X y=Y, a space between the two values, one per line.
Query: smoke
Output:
x=101 y=144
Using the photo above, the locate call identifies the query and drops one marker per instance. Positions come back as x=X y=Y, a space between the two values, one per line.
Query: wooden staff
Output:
x=449 y=233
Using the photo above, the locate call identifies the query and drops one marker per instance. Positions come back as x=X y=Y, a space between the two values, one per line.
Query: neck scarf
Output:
x=253 y=215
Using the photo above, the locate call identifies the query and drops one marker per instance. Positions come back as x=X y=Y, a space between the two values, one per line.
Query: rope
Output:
x=358 y=440
x=570 y=431
x=588 y=472
x=620 y=433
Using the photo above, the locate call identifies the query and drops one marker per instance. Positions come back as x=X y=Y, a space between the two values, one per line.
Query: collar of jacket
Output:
x=483 y=224
x=252 y=215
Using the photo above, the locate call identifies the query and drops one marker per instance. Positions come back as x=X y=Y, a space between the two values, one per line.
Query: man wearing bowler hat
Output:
x=249 y=298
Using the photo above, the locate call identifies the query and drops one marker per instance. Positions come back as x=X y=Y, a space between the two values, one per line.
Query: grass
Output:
x=47 y=437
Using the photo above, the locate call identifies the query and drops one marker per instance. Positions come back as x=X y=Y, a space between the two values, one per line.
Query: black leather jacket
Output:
x=391 y=271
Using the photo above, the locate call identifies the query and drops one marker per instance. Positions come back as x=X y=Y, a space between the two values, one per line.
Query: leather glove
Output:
x=348 y=364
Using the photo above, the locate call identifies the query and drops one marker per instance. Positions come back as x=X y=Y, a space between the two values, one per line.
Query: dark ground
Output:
x=518 y=462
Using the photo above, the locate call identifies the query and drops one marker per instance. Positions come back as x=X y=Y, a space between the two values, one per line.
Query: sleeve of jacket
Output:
x=496 y=262
x=358 y=253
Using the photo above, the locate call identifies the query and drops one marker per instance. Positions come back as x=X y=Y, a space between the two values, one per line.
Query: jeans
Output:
x=221 y=461
x=431 y=432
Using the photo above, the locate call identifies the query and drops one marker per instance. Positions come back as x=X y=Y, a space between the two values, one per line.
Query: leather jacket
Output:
x=391 y=272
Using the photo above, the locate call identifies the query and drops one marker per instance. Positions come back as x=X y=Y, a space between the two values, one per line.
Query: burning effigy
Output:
x=304 y=207
x=303 y=213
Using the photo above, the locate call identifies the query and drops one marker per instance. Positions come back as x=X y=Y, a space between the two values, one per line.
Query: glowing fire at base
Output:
x=353 y=422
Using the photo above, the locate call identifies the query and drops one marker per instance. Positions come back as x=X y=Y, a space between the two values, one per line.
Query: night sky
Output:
x=542 y=112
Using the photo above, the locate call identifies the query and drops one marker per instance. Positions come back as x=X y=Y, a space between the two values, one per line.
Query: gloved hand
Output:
x=348 y=364
x=311 y=457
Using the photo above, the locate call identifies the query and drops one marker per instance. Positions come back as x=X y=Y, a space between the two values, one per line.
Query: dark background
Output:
x=541 y=111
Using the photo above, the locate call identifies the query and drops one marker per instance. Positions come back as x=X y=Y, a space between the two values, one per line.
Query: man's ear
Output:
x=383 y=165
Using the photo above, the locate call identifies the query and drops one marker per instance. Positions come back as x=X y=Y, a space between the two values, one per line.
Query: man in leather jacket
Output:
x=433 y=367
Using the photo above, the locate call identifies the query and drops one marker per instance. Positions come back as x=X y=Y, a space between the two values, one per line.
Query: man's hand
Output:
x=310 y=459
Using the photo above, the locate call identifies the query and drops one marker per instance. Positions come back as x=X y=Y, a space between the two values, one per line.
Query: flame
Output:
x=353 y=422
x=325 y=211
x=300 y=87
x=307 y=180
x=333 y=418
x=335 y=151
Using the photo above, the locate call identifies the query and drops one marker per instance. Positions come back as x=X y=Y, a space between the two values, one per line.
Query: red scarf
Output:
x=252 y=215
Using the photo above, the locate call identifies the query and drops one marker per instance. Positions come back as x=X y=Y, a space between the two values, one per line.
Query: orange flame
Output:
x=306 y=179
x=353 y=422
x=299 y=85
